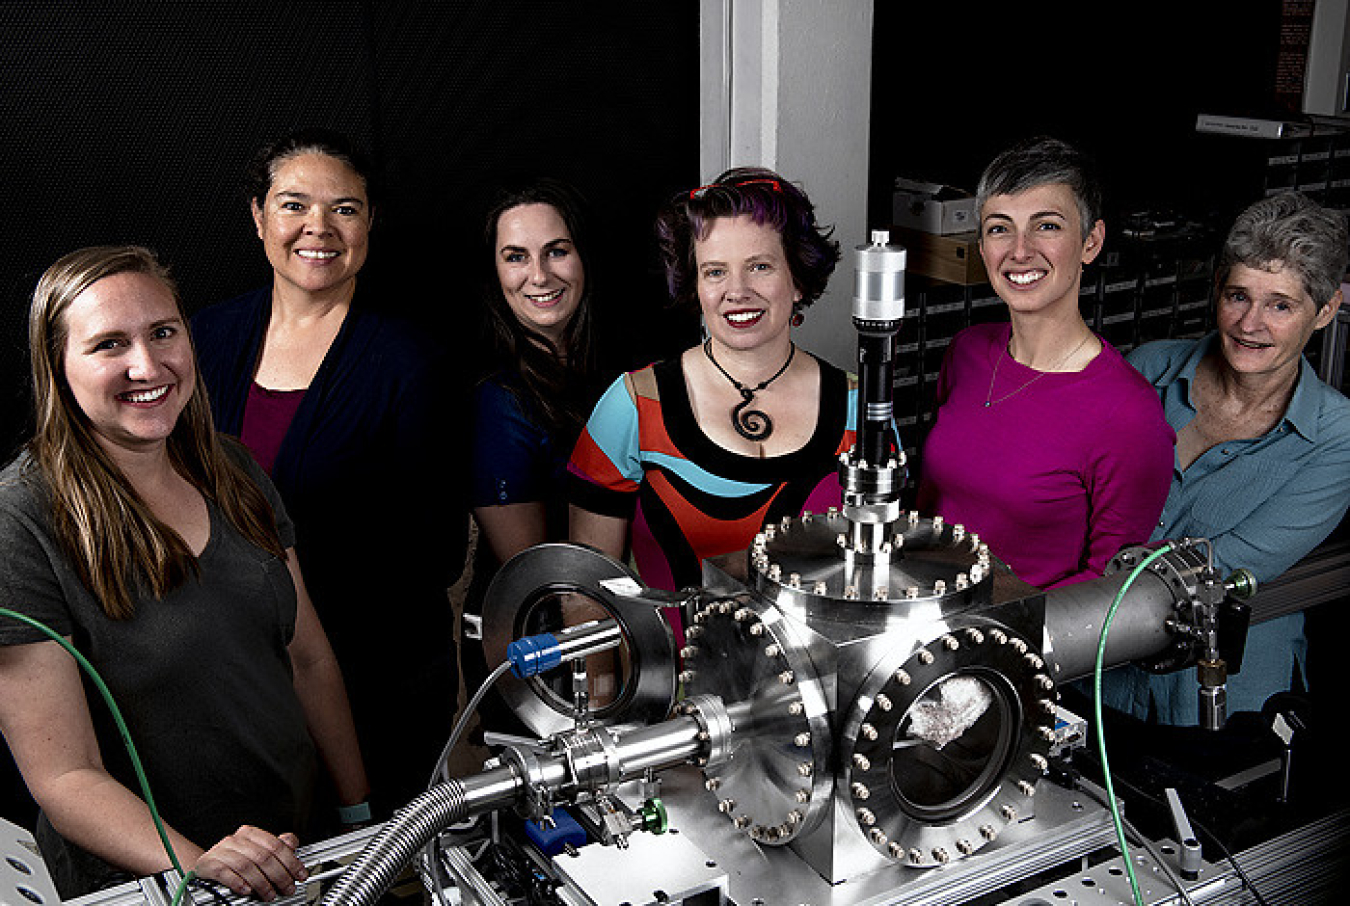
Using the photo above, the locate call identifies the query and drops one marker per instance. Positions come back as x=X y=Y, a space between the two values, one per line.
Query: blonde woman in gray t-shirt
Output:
x=128 y=527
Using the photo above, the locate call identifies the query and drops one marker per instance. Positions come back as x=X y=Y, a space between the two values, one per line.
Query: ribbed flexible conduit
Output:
x=411 y=828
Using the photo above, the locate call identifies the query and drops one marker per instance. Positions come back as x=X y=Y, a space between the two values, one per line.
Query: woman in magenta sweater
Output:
x=1047 y=443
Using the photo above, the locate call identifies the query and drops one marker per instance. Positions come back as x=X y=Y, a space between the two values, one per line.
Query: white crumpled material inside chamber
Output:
x=960 y=702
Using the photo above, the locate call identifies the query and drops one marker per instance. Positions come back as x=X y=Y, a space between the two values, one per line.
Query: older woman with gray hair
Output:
x=1263 y=447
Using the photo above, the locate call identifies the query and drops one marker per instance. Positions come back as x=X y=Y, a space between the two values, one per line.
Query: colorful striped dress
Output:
x=644 y=458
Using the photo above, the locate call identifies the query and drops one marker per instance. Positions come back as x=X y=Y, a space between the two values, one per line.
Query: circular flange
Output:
x=550 y=586
x=873 y=568
x=1180 y=568
x=926 y=797
x=775 y=783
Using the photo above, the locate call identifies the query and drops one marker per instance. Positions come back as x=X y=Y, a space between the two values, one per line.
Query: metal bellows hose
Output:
x=411 y=828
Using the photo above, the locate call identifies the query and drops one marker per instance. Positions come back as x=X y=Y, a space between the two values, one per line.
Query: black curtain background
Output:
x=133 y=122
x=1122 y=81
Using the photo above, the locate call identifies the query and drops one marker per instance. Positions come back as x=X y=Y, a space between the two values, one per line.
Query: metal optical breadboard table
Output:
x=24 y=880
x=1066 y=827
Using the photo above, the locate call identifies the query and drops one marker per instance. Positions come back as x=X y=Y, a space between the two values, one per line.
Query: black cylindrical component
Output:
x=878 y=308
x=876 y=397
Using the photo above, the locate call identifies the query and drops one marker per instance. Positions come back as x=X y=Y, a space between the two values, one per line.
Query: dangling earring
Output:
x=797 y=316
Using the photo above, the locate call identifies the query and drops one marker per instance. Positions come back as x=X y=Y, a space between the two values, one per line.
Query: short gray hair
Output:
x=1290 y=230
x=1039 y=162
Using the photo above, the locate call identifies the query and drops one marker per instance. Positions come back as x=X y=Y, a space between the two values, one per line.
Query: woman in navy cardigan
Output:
x=347 y=410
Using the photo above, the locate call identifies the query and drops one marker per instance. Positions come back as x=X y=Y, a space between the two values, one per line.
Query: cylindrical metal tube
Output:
x=878 y=308
x=534 y=654
x=490 y=790
x=878 y=283
x=590 y=638
x=1212 y=712
x=1074 y=616
x=412 y=827
x=658 y=746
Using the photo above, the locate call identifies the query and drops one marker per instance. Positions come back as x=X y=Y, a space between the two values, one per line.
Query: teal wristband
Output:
x=354 y=814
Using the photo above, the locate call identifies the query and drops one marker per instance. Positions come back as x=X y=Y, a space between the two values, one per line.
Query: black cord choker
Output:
x=752 y=424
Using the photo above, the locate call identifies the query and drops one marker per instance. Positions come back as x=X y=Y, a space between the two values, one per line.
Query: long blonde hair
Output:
x=118 y=547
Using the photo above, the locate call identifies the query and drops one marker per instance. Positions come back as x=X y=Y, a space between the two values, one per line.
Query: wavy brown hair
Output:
x=117 y=545
x=556 y=385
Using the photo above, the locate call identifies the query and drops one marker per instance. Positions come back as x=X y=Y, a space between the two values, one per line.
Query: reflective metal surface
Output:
x=776 y=781
x=556 y=585
x=906 y=728
x=812 y=566
x=1066 y=827
x=927 y=791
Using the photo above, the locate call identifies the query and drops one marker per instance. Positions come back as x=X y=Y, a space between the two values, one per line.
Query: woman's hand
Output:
x=252 y=862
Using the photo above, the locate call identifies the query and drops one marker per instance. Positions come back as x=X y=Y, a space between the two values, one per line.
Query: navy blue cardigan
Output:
x=374 y=485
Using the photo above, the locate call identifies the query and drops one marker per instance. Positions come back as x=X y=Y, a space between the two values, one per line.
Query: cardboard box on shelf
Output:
x=932 y=207
x=955 y=258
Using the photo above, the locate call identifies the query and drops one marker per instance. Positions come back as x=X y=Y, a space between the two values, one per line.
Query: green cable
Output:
x=1097 y=714
x=183 y=885
x=121 y=728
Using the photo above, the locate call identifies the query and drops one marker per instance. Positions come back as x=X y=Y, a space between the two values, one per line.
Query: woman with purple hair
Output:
x=688 y=458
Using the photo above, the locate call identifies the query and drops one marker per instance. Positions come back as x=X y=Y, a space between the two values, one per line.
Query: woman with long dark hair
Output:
x=539 y=384
x=532 y=404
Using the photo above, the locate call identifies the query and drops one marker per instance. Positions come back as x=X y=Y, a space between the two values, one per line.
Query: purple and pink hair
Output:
x=768 y=199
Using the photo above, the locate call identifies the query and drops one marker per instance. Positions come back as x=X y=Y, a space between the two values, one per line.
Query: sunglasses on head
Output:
x=756 y=181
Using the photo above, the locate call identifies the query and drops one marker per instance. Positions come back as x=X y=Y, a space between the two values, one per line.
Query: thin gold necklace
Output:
x=1040 y=374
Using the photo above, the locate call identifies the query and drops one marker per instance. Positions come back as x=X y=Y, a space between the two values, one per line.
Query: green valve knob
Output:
x=653 y=817
x=1241 y=584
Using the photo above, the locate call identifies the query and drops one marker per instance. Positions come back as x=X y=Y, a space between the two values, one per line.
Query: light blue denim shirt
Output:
x=1264 y=502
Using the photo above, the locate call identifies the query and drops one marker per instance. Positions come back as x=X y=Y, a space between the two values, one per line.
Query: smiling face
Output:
x=539 y=269
x=1265 y=319
x=1034 y=249
x=128 y=360
x=745 y=287
x=315 y=223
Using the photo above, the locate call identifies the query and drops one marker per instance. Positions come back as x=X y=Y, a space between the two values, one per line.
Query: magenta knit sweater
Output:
x=1056 y=476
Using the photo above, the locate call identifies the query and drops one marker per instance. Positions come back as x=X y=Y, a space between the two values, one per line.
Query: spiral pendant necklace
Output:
x=752 y=424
